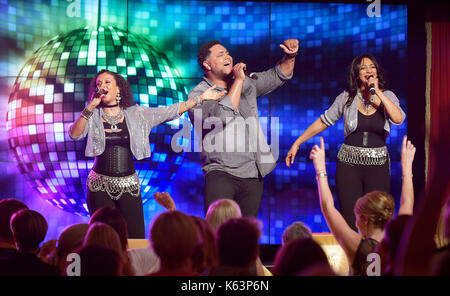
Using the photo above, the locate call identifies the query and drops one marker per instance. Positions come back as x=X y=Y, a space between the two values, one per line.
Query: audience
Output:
x=174 y=237
x=205 y=256
x=8 y=207
x=225 y=243
x=294 y=231
x=297 y=255
x=372 y=211
x=97 y=260
x=141 y=261
x=102 y=234
x=237 y=243
x=69 y=241
x=28 y=229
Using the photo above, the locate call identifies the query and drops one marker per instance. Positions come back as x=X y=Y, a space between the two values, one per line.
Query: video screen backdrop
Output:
x=51 y=49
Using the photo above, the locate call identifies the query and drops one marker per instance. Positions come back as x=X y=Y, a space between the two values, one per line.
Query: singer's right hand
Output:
x=95 y=101
x=291 y=154
x=239 y=71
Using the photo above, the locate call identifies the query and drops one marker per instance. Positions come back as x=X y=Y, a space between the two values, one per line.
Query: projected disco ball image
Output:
x=51 y=91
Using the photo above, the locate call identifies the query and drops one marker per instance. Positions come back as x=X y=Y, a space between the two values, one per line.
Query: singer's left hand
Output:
x=374 y=81
x=290 y=46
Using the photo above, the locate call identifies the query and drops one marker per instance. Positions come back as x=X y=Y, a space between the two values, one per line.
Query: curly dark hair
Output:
x=125 y=91
x=353 y=82
x=204 y=52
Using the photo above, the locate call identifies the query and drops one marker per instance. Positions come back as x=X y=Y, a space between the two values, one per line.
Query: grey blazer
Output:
x=139 y=119
x=337 y=110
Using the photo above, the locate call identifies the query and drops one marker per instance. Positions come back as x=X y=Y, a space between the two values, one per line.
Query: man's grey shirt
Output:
x=233 y=140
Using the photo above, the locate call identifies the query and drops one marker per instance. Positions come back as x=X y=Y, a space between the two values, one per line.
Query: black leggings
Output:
x=353 y=181
x=130 y=207
x=246 y=192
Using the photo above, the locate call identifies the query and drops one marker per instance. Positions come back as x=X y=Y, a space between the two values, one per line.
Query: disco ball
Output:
x=50 y=92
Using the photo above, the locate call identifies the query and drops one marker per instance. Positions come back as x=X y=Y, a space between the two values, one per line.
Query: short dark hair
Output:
x=204 y=52
x=8 y=207
x=29 y=229
x=125 y=90
x=237 y=242
x=353 y=82
x=114 y=218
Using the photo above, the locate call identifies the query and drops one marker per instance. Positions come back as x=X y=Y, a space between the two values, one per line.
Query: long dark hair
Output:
x=353 y=82
x=125 y=91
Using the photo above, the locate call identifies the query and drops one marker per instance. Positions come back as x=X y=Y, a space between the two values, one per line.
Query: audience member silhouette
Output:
x=29 y=229
x=7 y=208
x=174 y=237
x=296 y=255
x=294 y=231
x=237 y=243
x=97 y=260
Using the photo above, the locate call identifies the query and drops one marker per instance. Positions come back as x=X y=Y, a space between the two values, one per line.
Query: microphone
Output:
x=100 y=91
x=251 y=75
x=371 y=86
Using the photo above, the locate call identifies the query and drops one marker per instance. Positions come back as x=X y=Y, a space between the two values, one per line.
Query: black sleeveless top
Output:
x=360 y=264
x=370 y=131
x=117 y=159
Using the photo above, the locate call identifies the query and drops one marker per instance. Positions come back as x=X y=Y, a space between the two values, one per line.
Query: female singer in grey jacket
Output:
x=116 y=131
x=368 y=109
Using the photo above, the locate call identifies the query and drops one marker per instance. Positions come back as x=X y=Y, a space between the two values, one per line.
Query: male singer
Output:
x=235 y=153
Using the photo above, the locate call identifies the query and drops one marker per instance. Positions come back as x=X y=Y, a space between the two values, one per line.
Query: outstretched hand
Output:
x=290 y=46
x=407 y=155
x=211 y=94
x=291 y=154
x=317 y=155
x=164 y=199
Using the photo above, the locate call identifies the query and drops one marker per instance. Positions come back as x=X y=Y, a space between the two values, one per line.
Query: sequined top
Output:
x=350 y=113
x=139 y=119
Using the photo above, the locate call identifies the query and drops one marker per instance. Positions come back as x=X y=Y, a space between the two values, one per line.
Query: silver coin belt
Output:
x=362 y=155
x=115 y=187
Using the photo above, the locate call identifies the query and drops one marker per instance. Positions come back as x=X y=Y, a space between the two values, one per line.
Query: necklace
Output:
x=112 y=120
x=367 y=104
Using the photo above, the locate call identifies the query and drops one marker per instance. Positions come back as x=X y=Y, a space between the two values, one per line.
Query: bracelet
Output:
x=86 y=114
x=292 y=55
x=197 y=101
x=322 y=175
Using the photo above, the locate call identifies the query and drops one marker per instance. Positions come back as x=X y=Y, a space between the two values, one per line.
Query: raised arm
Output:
x=77 y=130
x=290 y=48
x=392 y=109
x=208 y=95
x=407 y=196
x=347 y=238
x=315 y=128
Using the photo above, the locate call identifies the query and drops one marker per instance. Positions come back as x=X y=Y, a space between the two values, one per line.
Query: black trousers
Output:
x=353 y=181
x=130 y=207
x=246 y=192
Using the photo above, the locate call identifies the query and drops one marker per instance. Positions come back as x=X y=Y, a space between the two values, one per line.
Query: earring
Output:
x=118 y=98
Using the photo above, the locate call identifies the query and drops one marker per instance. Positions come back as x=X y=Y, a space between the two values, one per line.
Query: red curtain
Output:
x=439 y=127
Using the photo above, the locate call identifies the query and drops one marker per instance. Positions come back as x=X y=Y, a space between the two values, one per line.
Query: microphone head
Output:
x=100 y=91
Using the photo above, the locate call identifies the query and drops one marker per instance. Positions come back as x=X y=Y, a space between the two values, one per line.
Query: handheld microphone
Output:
x=251 y=75
x=371 y=86
x=100 y=91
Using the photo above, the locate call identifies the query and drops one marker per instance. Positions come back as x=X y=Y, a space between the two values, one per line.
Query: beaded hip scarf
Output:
x=362 y=155
x=115 y=187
